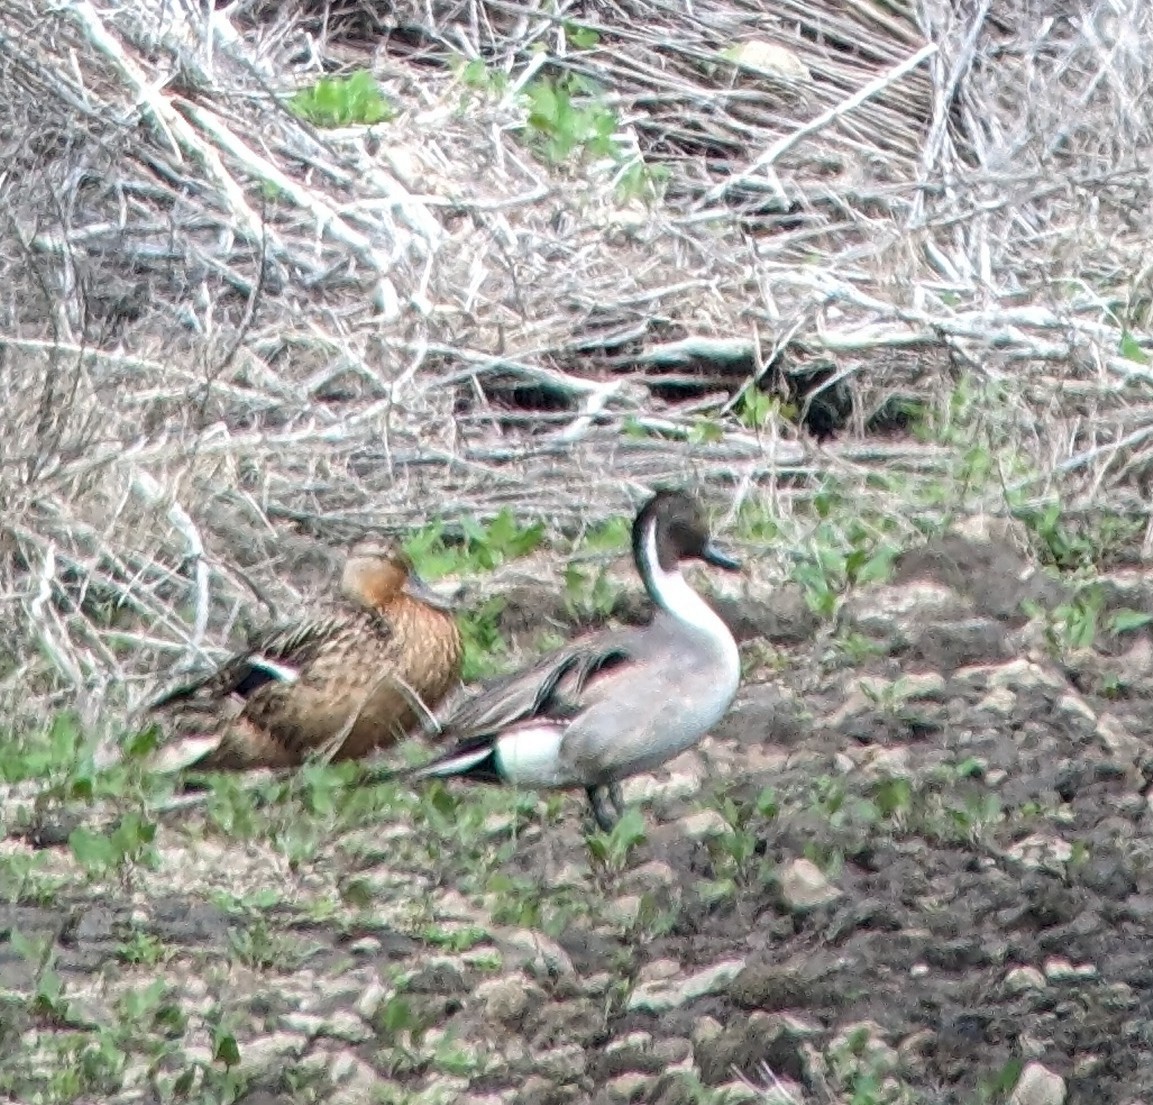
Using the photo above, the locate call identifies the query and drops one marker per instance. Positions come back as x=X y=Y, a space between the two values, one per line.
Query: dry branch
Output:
x=230 y=342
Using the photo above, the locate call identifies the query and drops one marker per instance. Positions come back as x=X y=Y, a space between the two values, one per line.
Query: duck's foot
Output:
x=603 y=803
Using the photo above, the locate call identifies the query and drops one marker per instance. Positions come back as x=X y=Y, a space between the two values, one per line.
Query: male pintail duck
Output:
x=339 y=684
x=617 y=703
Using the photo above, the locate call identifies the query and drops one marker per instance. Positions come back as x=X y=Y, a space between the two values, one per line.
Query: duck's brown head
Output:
x=378 y=571
x=671 y=527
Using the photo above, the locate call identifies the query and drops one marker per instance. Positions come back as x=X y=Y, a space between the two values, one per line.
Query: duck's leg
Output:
x=598 y=799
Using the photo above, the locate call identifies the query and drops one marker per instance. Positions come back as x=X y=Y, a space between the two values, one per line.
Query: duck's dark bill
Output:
x=710 y=554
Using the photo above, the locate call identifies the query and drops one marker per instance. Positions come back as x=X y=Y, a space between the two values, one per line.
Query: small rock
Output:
x=914 y=1051
x=768 y=57
x=1021 y=979
x=1038 y=1086
x=542 y=956
x=659 y=970
x=705 y=1030
x=706 y=823
x=923 y=687
x=354 y=1080
x=1115 y=736
x=366 y=945
x=1024 y=675
x=627 y=1086
x=1000 y=701
x=1061 y=970
x=804 y=886
x=886 y=763
x=536 y=1090
x=1037 y=849
x=347 y=1026
x=505 y=1000
x=1076 y=706
x=308 y=1023
x=652 y=876
x=673 y=1051
x=634 y=1041
x=661 y=995
x=624 y=910
x=564 y=1064
x=600 y=983
x=670 y=787
x=370 y=1000
x=879 y=608
x=264 y=1053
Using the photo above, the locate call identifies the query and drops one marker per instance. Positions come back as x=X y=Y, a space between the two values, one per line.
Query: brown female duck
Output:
x=338 y=684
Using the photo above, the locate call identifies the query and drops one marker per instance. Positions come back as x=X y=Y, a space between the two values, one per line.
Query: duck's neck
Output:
x=669 y=589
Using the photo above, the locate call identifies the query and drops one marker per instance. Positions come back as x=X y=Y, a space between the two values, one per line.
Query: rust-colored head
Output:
x=378 y=571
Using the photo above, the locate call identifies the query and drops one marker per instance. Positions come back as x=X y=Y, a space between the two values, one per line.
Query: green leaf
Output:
x=93 y=851
x=629 y=830
x=475 y=74
x=1125 y=621
x=342 y=101
x=768 y=803
x=32 y=950
x=877 y=567
x=544 y=107
x=583 y=38
x=226 y=1049
x=1131 y=349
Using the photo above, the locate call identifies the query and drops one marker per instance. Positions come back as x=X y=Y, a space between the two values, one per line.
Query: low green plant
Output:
x=48 y=997
x=342 y=101
x=1077 y=545
x=611 y=851
x=476 y=75
x=842 y=552
x=485 y=648
x=479 y=547
x=638 y=180
x=131 y=842
x=144 y=949
x=757 y=409
x=589 y=592
x=1073 y=624
x=567 y=115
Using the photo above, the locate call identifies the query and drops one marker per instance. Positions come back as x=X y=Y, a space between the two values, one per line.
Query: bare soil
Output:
x=978 y=813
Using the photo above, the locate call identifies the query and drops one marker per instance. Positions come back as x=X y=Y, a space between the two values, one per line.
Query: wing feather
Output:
x=552 y=687
x=274 y=654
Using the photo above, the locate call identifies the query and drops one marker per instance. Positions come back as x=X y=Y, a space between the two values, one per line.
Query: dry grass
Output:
x=228 y=339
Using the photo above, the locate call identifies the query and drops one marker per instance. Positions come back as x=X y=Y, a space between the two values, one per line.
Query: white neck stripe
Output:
x=672 y=593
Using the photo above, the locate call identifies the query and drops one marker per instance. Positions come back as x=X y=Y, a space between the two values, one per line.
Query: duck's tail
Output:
x=474 y=759
x=471 y=759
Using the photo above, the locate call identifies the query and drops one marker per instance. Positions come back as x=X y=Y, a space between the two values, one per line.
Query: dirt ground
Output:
x=912 y=864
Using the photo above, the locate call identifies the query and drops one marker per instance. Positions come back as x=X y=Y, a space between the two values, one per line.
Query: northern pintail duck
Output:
x=619 y=702
x=340 y=683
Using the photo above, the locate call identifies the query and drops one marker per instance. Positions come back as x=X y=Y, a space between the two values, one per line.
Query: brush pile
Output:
x=231 y=339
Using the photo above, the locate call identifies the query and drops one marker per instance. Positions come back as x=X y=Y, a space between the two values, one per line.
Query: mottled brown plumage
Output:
x=339 y=684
